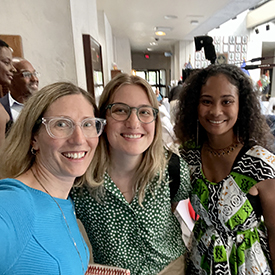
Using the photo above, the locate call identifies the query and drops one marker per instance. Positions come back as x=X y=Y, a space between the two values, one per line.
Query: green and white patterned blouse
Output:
x=144 y=239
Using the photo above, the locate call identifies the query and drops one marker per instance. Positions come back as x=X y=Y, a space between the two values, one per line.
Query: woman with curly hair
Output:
x=225 y=141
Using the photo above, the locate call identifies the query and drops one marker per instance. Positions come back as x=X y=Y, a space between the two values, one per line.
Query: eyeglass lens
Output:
x=28 y=74
x=64 y=127
x=122 y=112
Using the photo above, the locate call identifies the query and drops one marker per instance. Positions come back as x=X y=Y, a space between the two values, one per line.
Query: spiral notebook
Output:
x=95 y=269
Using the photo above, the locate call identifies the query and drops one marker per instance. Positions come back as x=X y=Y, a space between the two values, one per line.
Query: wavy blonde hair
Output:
x=153 y=161
x=17 y=146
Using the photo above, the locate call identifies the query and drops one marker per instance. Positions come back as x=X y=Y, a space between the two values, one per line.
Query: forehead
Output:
x=73 y=106
x=219 y=84
x=5 y=53
x=23 y=65
x=129 y=93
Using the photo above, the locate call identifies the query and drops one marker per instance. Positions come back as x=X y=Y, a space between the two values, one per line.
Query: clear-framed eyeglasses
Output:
x=63 y=127
x=28 y=74
x=121 y=112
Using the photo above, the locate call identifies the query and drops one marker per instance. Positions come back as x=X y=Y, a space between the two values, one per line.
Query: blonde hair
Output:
x=17 y=146
x=153 y=161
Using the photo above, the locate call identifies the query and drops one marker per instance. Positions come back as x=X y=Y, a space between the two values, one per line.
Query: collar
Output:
x=12 y=101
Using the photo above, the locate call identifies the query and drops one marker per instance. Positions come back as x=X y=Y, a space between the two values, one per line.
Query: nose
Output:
x=133 y=121
x=34 y=78
x=77 y=136
x=12 y=69
x=215 y=110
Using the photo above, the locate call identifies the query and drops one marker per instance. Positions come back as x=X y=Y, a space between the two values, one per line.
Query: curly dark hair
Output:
x=251 y=124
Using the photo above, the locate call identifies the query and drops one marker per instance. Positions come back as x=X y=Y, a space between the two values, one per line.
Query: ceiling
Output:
x=137 y=19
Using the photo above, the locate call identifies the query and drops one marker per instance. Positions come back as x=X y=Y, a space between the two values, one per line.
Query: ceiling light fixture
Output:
x=160 y=31
x=194 y=22
x=168 y=17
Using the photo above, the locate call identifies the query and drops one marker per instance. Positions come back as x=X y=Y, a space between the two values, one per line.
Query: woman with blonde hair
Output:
x=128 y=219
x=49 y=148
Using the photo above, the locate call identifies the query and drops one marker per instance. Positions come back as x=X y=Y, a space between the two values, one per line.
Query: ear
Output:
x=34 y=143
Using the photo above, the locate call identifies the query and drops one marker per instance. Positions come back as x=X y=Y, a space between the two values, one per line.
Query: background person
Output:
x=128 y=219
x=225 y=140
x=24 y=83
x=49 y=148
x=6 y=75
x=4 y=118
x=173 y=99
x=6 y=66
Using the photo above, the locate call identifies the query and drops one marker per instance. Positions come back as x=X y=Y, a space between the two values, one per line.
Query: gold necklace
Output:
x=221 y=152
x=68 y=227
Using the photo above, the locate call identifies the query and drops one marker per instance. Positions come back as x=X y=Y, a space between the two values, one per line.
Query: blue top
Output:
x=34 y=237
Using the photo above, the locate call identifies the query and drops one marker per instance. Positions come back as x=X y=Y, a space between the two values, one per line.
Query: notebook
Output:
x=96 y=269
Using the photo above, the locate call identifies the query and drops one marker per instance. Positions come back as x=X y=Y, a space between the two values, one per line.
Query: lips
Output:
x=79 y=155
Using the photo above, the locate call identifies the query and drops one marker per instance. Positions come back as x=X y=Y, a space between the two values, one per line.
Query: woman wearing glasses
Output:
x=49 y=148
x=128 y=219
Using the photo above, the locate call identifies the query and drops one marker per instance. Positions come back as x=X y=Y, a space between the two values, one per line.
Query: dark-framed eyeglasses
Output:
x=63 y=127
x=28 y=74
x=121 y=112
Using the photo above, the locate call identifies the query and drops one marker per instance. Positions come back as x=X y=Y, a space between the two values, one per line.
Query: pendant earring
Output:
x=198 y=128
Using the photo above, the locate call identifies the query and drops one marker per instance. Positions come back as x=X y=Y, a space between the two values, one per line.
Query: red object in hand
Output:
x=192 y=212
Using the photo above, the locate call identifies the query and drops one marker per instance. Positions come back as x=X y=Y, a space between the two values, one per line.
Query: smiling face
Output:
x=130 y=137
x=6 y=67
x=218 y=106
x=22 y=87
x=66 y=157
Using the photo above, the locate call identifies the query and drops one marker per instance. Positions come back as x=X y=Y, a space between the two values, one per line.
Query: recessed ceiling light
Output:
x=170 y=17
x=160 y=33
x=194 y=22
x=153 y=43
x=149 y=49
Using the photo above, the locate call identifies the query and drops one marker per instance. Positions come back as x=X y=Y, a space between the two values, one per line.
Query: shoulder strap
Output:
x=174 y=174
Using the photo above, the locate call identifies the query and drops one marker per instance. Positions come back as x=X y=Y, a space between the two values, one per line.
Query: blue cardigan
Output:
x=34 y=238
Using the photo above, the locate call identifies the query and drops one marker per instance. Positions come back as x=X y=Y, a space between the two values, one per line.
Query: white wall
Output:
x=238 y=27
x=84 y=21
x=175 y=65
x=122 y=50
x=106 y=41
x=46 y=31
x=51 y=34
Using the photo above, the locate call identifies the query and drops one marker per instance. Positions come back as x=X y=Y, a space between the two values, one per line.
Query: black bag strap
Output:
x=174 y=174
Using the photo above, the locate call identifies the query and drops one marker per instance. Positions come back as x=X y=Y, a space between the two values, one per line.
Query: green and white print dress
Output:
x=230 y=237
x=144 y=239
